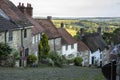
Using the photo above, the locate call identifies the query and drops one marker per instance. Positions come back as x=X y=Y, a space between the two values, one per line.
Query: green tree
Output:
x=116 y=36
x=44 y=47
x=40 y=47
x=107 y=37
x=77 y=36
x=112 y=37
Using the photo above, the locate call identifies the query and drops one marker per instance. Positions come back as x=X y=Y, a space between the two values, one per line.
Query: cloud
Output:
x=74 y=7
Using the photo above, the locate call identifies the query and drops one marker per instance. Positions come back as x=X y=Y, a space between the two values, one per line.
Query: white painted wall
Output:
x=96 y=56
x=70 y=50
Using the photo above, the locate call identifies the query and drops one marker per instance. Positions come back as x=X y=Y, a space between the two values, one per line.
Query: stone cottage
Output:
x=52 y=33
x=84 y=52
x=37 y=29
x=17 y=33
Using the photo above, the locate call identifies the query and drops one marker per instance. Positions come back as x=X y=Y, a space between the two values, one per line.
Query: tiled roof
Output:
x=94 y=41
x=82 y=46
x=49 y=28
x=66 y=37
x=6 y=25
x=14 y=13
x=37 y=27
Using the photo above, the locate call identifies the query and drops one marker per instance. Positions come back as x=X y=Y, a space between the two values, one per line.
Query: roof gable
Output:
x=82 y=46
x=49 y=28
x=37 y=27
x=94 y=41
x=66 y=37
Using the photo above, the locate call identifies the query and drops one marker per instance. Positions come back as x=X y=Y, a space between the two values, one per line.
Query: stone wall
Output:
x=55 y=45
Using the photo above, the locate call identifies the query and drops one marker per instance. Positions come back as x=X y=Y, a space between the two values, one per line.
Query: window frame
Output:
x=10 y=36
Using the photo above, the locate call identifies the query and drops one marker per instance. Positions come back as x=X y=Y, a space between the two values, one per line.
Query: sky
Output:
x=73 y=8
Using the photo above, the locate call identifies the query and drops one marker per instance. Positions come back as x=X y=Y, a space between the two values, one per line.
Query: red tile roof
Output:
x=37 y=27
x=49 y=28
x=82 y=46
x=66 y=37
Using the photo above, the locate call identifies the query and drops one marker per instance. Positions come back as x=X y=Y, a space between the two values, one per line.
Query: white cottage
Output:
x=96 y=45
x=69 y=44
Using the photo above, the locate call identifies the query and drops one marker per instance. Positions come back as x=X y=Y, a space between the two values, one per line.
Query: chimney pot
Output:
x=49 y=17
x=19 y=3
x=82 y=31
x=62 y=25
x=22 y=4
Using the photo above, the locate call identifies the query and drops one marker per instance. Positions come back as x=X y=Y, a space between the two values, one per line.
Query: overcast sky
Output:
x=74 y=8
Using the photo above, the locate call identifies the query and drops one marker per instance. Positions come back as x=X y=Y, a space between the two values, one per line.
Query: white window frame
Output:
x=10 y=36
x=33 y=39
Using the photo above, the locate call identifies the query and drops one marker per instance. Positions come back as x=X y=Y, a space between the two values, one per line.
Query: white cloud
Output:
x=74 y=7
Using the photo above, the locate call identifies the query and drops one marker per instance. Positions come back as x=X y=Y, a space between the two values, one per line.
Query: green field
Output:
x=48 y=73
x=71 y=31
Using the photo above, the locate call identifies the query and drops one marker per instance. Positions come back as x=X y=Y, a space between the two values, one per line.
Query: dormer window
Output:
x=10 y=36
x=25 y=33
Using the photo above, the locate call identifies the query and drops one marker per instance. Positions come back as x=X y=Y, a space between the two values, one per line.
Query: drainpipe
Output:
x=5 y=36
x=54 y=46
x=22 y=49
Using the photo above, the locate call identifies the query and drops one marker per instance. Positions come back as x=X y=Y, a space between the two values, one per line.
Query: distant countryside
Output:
x=73 y=25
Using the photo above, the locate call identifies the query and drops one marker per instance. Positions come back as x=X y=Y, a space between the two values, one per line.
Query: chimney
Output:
x=29 y=10
x=82 y=32
x=99 y=30
x=49 y=17
x=62 y=25
x=21 y=7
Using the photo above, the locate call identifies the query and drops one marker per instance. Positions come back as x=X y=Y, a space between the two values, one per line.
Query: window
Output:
x=66 y=47
x=25 y=33
x=36 y=38
x=10 y=36
x=100 y=56
x=0 y=35
x=72 y=46
x=39 y=36
x=33 y=39
x=26 y=52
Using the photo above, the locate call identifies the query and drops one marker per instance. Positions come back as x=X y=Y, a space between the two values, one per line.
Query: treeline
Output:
x=90 y=26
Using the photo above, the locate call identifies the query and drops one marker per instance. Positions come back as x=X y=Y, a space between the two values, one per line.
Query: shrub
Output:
x=69 y=61
x=5 y=51
x=48 y=62
x=78 y=61
x=31 y=59
x=56 y=59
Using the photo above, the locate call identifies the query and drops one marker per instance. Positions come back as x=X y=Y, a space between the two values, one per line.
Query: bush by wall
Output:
x=31 y=59
x=57 y=59
x=78 y=61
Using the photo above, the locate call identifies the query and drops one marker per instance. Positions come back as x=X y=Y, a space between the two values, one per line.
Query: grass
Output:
x=48 y=73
